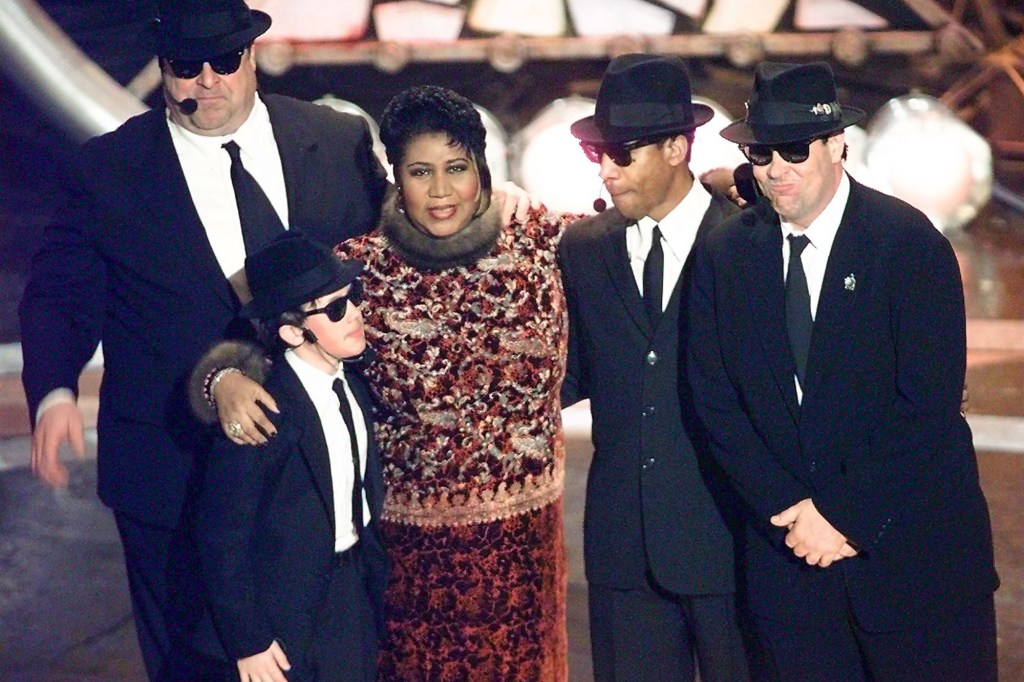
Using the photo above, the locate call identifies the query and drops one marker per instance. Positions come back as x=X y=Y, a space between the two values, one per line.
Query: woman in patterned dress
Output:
x=468 y=320
x=467 y=317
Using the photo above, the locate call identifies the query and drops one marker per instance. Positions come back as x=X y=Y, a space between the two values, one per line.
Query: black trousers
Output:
x=951 y=647
x=650 y=635
x=162 y=569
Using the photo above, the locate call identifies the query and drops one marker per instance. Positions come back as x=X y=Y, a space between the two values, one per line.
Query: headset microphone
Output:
x=187 y=106
x=308 y=335
x=600 y=204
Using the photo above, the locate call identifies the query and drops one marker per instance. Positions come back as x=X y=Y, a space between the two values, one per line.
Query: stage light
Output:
x=824 y=15
x=541 y=18
x=497 y=145
x=711 y=150
x=413 y=21
x=743 y=16
x=548 y=162
x=620 y=17
x=314 y=20
x=919 y=151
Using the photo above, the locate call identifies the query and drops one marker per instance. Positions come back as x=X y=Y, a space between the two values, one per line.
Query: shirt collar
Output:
x=314 y=379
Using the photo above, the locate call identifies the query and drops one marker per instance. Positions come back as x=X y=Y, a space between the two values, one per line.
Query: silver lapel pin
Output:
x=850 y=282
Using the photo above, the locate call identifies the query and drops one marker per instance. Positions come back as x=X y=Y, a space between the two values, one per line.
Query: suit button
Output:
x=650 y=461
x=648 y=411
x=652 y=358
x=813 y=466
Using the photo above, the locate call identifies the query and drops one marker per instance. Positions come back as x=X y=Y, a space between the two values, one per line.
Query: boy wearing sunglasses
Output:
x=827 y=360
x=291 y=558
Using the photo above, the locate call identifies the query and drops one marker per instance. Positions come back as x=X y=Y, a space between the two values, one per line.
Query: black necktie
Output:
x=798 y=306
x=357 y=480
x=260 y=222
x=654 y=275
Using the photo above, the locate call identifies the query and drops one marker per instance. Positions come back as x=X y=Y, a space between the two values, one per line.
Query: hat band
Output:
x=642 y=115
x=215 y=23
x=789 y=113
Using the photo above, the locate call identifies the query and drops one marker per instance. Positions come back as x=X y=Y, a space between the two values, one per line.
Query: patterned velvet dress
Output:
x=470 y=361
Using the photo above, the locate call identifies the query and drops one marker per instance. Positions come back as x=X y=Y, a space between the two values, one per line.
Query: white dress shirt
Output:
x=820 y=234
x=207 y=169
x=320 y=388
x=678 y=232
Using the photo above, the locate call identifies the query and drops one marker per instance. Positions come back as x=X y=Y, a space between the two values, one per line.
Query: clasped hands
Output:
x=811 y=536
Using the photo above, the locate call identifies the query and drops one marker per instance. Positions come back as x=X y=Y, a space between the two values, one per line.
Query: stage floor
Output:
x=64 y=611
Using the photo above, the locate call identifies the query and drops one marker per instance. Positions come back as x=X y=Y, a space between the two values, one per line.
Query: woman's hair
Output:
x=427 y=109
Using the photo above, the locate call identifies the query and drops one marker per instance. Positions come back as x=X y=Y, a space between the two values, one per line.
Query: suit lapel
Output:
x=762 y=272
x=167 y=196
x=838 y=295
x=311 y=439
x=298 y=146
x=616 y=261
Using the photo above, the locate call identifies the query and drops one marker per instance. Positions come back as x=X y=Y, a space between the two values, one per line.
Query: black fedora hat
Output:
x=292 y=270
x=792 y=103
x=194 y=29
x=642 y=95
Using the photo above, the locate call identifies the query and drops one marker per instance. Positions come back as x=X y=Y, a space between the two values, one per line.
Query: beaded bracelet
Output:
x=211 y=381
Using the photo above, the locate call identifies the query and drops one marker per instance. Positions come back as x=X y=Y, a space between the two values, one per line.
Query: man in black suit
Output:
x=287 y=533
x=827 y=359
x=147 y=256
x=658 y=553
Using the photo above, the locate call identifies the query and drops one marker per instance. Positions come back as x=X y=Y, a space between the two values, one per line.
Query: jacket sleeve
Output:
x=575 y=386
x=62 y=309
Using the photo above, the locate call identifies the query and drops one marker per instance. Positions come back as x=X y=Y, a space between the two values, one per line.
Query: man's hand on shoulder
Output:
x=267 y=666
x=514 y=200
x=58 y=423
x=811 y=536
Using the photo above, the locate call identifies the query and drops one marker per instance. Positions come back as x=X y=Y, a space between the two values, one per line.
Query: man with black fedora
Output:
x=292 y=561
x=827 y=360
x=658 y=550
x=147 y=255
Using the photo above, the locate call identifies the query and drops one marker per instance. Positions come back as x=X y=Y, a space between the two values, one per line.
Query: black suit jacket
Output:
x=265 y=528
x=128 y=261
x=649 y=505
x=878 y=443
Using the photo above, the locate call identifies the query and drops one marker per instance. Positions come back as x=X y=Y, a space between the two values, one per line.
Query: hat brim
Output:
x=587 y=130
x=211 y=47
x=743 y=133
x=321 y=284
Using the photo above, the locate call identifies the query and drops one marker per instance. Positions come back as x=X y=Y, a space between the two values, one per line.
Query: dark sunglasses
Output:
x=336 y=309
x=224 y=64
x=791 y=152
x=618 y=152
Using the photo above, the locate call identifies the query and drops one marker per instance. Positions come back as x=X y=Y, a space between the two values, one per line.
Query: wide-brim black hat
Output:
x=188 y=29
x=642 y=95
x=792 y=103
x=292 y=270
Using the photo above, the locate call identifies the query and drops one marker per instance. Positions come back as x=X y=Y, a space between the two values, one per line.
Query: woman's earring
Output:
x=400 y=200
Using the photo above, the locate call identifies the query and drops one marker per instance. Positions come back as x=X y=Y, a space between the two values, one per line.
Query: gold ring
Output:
x=235 y=429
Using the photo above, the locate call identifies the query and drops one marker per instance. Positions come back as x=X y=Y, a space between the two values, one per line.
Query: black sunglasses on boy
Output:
x=336 y=309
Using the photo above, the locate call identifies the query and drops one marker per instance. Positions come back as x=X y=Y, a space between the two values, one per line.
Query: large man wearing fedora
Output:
x=658 y=553
x=827 y=359
x=146 y=256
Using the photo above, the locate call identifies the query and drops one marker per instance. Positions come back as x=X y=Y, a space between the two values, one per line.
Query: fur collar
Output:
x=426 y=252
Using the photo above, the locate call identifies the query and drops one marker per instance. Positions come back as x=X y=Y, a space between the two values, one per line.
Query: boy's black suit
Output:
x=265 y=531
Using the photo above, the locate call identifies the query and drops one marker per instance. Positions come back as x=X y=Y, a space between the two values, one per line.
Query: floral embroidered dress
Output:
x=470 y=359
